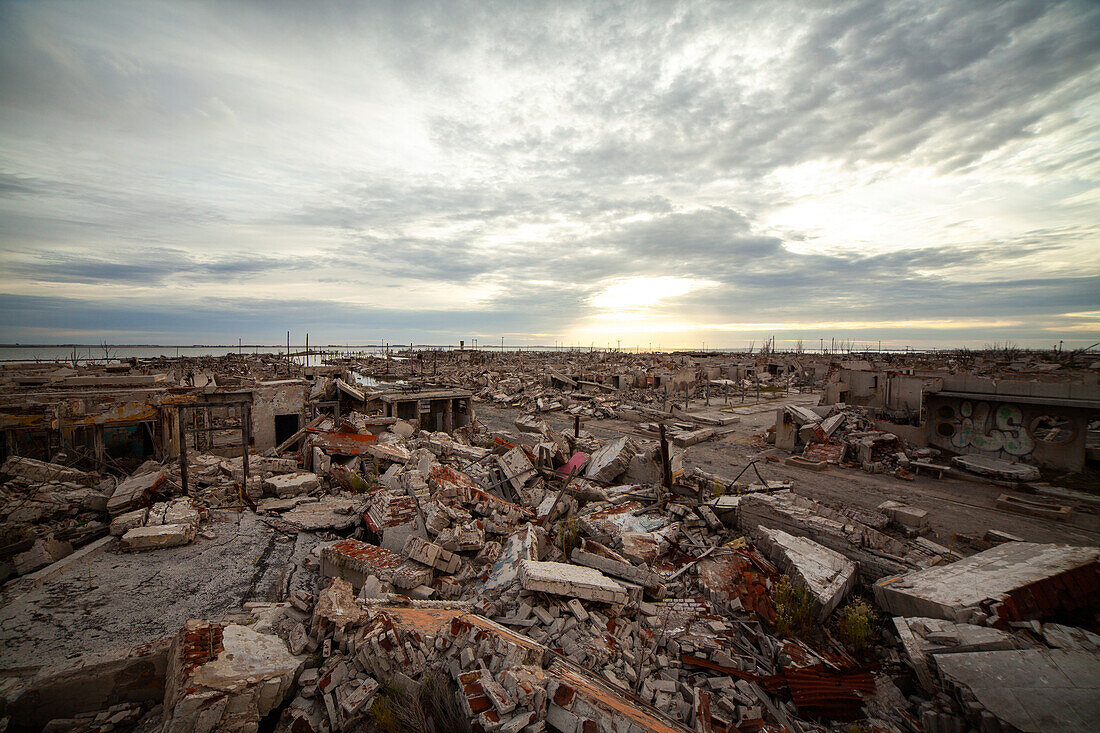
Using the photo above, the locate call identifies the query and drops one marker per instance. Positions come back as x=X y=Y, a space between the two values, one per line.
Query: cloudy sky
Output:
x=658 y=173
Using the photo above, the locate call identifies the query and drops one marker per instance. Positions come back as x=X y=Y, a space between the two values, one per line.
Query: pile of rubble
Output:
x=844 y=435
x=539 y=580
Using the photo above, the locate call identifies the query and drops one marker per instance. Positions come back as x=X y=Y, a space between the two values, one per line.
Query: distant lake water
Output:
x=86 y=354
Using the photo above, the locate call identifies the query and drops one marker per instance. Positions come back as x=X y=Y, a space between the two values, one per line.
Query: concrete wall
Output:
x=269 y=399
x=915 y=434
x=682 y=378
x=1001 y=428
x=879 y=390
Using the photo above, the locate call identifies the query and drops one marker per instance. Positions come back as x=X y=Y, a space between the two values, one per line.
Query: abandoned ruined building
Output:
x=564 y=541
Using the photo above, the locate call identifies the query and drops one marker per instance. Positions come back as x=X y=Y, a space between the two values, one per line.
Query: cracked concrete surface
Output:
x=118 y=600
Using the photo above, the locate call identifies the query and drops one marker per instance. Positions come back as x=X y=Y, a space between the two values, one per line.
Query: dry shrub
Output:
x=569 y=536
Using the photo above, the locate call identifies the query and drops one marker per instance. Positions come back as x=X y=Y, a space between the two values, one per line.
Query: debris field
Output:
x=565 y=541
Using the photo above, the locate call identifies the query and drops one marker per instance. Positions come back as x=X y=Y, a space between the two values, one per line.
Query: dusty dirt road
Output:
x=955 y=506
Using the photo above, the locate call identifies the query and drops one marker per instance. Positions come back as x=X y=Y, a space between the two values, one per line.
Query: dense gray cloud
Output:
x=578 y=172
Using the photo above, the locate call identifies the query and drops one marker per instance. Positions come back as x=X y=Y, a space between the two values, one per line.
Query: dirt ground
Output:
x=955 y=506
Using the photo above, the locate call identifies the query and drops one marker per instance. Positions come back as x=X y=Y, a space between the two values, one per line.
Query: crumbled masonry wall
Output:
x=276 y=398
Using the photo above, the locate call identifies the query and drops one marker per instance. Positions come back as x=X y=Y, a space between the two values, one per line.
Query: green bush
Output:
x=857 y=624
x=794 y=607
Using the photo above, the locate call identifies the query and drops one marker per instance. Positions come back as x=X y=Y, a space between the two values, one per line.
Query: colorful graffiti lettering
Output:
x=978 y=425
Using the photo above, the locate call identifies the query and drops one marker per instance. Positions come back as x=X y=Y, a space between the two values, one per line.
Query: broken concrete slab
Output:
x=128 y=492
x=904 y=515
x=291 y=484
x=1045 y=509
x=612 y=460
x=225 y=678
x=157 y=537
x=620 y=568
x=1030 y=690
x=124 y=522
x=523 y=544
x=517 y=468
x=179 y=511
x=998 y=581
x=571 y=580
x=336 y=604
x=996 y=468
x=876 y=554
x=827 y=574
x=354 y=561
x=330 y=512
x=924 y=637
x=645 y=465
x=1068 y=637
x=40 y=472
x=687 y=438
x=42 y=553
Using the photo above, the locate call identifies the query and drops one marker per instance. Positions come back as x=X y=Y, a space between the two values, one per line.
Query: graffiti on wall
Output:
x=985 y=427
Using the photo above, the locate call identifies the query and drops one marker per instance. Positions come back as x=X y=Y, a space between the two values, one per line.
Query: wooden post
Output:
x=576 y=426
x=666 y=463
x=183 y=448
x=246 y=438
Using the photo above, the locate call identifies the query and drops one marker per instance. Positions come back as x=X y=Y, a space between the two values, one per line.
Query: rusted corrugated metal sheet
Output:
x=344 y=444
x=821 y=691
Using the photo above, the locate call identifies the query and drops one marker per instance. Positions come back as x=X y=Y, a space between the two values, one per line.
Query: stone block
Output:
x=121 y=524
x=292 y=484
x=905 y=515
x=429 y=553
x=571 y=580
x=157 y=537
